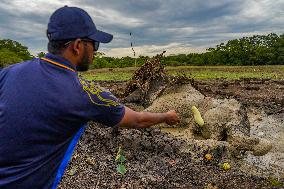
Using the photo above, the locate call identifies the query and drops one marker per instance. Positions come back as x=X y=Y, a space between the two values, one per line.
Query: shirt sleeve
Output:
x=101 y=105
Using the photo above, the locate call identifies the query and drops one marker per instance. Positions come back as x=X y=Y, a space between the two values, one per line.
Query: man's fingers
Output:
x=172 y=117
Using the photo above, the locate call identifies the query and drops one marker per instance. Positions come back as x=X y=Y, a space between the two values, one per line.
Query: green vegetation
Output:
x=120 y=159
x=41 y=54
x=275 y=182
x=8 y=57
x=12 y=52
x=228 y=75
x=255 y=50
x=196 y=72
x=107 y=75
x=228 y=72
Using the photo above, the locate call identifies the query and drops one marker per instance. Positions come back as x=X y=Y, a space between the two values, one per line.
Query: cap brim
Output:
x=101 y=36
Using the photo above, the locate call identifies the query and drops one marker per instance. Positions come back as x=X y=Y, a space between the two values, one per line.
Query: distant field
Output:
x=197 y=72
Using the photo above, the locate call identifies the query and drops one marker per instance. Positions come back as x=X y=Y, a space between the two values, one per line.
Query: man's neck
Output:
x=69 y=57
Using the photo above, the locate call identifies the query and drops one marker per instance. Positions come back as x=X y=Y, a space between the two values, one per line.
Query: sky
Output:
x=177 y=26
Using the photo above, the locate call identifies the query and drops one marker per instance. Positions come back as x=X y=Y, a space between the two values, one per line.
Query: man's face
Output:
x=87 y=58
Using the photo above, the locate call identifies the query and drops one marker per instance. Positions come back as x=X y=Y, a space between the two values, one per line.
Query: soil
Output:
x=264 y=93
x=153 y=157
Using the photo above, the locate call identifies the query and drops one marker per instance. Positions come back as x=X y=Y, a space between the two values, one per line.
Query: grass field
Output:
x=196 y=72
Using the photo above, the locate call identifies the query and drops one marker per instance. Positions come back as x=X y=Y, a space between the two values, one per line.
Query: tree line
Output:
x=254 y=50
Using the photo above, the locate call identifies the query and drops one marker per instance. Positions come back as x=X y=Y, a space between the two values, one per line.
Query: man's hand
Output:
x=172 y=118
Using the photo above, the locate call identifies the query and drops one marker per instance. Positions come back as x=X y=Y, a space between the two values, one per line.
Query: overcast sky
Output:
x=177 y=26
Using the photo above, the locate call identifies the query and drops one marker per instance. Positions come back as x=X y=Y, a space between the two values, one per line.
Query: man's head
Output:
x=72 y=33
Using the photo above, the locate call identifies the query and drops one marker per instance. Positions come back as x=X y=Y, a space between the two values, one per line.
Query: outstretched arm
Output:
x=133 y=119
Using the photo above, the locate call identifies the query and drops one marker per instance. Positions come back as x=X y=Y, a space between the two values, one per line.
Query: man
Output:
x=44 y=106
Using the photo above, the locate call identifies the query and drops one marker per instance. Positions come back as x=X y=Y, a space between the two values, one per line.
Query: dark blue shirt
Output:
x=44 y=108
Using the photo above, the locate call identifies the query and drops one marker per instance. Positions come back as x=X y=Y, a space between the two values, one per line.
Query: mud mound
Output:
x=225 y=120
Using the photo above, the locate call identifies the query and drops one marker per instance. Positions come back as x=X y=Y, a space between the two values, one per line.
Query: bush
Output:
x=8 y=57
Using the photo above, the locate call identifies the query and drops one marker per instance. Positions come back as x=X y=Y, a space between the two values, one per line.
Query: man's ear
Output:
x=77 y=47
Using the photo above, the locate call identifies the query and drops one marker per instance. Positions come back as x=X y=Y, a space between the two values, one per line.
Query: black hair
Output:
x=57 y=47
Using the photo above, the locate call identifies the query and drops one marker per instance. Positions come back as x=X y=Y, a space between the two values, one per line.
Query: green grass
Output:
x=197 y=72
x=275 y=182
x=238 y=68
x=107 y=76
x=226 y=75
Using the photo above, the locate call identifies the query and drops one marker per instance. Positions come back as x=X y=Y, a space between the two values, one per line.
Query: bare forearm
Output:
x=133 y=119
x=147 y=119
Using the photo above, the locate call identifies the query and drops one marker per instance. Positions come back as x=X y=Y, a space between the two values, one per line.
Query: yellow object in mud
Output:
x=208 y=157
x=226 y=166
x=197 y=116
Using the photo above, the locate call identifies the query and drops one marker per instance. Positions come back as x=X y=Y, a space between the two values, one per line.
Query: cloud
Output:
x=179 y=26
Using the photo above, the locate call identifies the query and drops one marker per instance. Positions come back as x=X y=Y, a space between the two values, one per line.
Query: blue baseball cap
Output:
x=73 y=22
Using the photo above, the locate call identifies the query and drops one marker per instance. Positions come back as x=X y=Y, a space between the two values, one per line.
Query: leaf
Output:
x=118 y=154
x=72 y=171
x=122 y=159
x=121 y=169
x=117 y=157
x=119 y=150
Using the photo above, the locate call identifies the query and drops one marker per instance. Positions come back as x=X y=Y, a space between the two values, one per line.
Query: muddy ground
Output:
x=153 y=157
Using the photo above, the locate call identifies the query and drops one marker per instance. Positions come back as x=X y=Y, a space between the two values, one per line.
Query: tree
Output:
x=8 y=57
x=255 y=50
x=278 y=48
x=16 y=47
x=41 y=54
